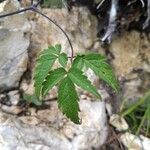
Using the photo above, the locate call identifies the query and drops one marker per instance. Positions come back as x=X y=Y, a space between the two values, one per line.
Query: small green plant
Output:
x=138 y=116
x=67 y=77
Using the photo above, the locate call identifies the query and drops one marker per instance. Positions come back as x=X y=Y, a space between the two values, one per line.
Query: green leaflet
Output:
x=68 y=100
x=81 y=80
x=78 y=62
x=95 y=57
x=58 y=48
x=63 y=59
x=51 y=50
x=101 y=68
x=43 y=65
x=52 y=79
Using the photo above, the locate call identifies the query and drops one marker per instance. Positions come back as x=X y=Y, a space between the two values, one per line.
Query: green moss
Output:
x=54 y=3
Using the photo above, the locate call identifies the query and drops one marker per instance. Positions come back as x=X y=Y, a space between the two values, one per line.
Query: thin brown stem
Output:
x=15 y=12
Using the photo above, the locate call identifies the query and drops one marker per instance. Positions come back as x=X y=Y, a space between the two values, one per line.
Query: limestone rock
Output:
x=14 y=110
x=126 y=52
x=131 y=61
x=118 y=122
x=93 y=131
x=13 y=46
x=133 y=142
x=53 y=131
x=131 y=52
x=14 y=97
x=17 y=135
x=32 y=120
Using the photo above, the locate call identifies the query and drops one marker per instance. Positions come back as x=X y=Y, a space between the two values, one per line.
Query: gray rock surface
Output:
x=133 y=142
x=13 y=46
x=43 y=132
x=14 y=97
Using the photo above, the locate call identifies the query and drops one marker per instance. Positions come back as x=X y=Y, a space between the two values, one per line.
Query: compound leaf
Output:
x=43 y=65
x=68 y=100
x=63 y=59
x=45 y=78
x=52 y=79
x=82 y=81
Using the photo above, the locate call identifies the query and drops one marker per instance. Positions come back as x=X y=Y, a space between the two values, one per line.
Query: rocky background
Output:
x=23 y=36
